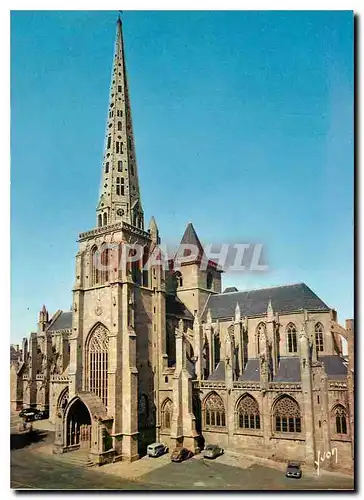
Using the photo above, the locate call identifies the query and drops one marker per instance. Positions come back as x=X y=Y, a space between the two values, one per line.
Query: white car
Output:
x=156 y=450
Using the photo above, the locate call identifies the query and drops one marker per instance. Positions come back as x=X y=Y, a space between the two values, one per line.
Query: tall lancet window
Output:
x=105 y=264
x=95 y=274
x=291 y=338
x=217 y=347
x=260 y=335
x=319 y=337
x=97 y=363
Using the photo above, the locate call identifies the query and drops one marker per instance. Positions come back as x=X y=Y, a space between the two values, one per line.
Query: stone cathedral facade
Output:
x=166 y=355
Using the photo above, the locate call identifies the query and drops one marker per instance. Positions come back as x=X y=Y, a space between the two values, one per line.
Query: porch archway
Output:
x=78 y=425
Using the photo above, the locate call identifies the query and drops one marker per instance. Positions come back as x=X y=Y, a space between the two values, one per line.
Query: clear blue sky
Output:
x=243 y=125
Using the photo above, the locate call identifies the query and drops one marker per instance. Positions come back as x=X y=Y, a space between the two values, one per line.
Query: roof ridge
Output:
x=263 y=288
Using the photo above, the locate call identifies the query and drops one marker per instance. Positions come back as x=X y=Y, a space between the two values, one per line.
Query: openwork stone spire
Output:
x=119 y=191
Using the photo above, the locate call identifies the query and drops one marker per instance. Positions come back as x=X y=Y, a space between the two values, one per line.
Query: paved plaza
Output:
x=34 y=467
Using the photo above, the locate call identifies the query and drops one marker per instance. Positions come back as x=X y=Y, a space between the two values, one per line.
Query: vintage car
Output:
x=212 y=451
x=30 y=414
x=156 y=450
x=181 y=454
x=294 y=470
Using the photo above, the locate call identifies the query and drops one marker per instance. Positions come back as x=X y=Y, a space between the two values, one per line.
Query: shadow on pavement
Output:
x=18 y=441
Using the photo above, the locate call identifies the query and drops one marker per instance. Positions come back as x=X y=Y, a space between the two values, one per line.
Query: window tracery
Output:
x=287 y=415
x=340 y=416
x=319 y=337
x=248 y=413
x=292 y=338
x=97 y=363
x=214 y=411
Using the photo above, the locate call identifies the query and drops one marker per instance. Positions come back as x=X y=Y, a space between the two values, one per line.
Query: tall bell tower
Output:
x=118 y=306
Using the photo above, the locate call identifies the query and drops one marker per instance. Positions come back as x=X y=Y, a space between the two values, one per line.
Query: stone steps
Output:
x=78 y=458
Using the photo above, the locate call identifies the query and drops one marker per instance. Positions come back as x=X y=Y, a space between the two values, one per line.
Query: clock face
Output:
x=120 y=212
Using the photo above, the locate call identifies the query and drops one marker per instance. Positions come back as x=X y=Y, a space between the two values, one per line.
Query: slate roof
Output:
x=219 y=372
x=252 y=303
x=63 y=322
x=288 y=370
x=251 y=372
x=230 y=289
x=190 y=237
x=177 y=308
x=334 y=367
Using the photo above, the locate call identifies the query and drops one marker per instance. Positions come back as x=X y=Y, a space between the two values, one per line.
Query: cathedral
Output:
x=165 y=354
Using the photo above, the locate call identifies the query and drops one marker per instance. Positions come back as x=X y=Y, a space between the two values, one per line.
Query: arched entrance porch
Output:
x=78 y=425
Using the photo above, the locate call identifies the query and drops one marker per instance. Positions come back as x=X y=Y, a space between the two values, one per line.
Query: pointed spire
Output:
x=190 y=248
x=208 y=316
x=119 y=191
x=270 y=313
x=153 y=229
x=237 y=312
x=190 y=237
x=44 y=309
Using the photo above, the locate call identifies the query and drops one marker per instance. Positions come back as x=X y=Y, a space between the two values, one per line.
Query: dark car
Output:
x=30 y=414
x=181 y=454
x=212 y=451
x=294 y=470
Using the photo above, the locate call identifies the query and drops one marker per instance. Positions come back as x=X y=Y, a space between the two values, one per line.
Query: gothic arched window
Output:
x=179 y=279
x=209 y=281
x=340 y=420
x=94 y=266
x=63 y=400
x=97 y=362
x=105 y=219
x=217 y=348
x=291 y=338
x=319 y=337
x=287 y=415
x=105 y=264
x=100 y=220
x=260 y=334
x=167 y=412
x=143 y=410
x=145 y=269
x=214 y=411
x=248 y=413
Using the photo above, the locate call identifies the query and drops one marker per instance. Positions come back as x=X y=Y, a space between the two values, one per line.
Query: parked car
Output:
x=212 y=451
x=294 y=470
x=181 y=454
x=30 y=414
x=156 y=450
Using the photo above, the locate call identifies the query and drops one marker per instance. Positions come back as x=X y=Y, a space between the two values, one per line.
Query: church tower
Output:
x=118 y=305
